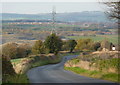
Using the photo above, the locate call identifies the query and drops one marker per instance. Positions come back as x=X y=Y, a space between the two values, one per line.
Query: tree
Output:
x=71 y=45
x=53 y=43
x=38 y=47
x=113 y=9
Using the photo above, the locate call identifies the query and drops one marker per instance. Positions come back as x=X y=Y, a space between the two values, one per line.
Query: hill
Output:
x=85 y=16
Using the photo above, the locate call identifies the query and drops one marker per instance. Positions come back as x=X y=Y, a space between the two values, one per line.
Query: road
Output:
x=56 y=74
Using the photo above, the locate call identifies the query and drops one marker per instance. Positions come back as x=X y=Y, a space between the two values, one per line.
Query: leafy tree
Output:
x=71 y=44
x=53 y=43
x=38 y=47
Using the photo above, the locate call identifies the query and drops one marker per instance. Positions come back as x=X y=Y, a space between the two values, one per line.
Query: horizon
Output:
x=61 y=7
x=51 y=12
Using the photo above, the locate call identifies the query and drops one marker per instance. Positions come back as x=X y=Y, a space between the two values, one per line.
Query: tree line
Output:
x=53 y=44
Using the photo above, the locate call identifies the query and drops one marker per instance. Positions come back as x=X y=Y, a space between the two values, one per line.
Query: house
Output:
x=113 y=48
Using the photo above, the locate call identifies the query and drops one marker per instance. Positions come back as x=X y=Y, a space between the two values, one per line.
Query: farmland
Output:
x=29 y=31
x=111 y=38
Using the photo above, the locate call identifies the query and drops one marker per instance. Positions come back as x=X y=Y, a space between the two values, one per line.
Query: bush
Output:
x=21 y=52
x=84 y=45
x=100 y=49
x=10 y=50
x=14 y=50
x=7 y=67
x=38 y=47
x=108 y=63
x=106 y=44
x=96 y=45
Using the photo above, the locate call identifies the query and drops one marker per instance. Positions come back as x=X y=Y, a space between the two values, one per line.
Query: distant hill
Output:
x=86 y=16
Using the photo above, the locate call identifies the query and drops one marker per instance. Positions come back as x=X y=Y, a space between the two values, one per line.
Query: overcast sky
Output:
x=46 y=7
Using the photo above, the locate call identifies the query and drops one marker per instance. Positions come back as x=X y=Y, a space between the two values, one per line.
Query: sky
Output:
x=46 y=7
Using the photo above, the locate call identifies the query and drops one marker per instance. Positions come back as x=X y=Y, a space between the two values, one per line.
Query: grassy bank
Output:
x=37 y=61
x=94 y=74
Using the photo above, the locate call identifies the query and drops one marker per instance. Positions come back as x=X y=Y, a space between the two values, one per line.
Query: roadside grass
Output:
x=94 y=74
x=18 y=78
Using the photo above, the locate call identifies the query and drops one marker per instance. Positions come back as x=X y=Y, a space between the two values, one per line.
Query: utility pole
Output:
x=53 y=19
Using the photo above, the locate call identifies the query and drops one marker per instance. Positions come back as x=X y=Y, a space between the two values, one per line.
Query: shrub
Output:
x=38 y=47
x=14 y=50
x=7 y=67
x=84 y=45
x=96 y=45
x=108 y=63
x=106 y=44
x=21 y=52
x=10 y=50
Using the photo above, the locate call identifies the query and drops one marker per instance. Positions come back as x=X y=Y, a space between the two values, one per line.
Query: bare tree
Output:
x=113 y=11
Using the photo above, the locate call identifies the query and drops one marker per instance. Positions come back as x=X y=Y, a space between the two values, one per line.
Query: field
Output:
x=26 y=33
x=111 y=38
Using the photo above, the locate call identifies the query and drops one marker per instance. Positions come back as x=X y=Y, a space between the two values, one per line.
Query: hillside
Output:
x=87 y=16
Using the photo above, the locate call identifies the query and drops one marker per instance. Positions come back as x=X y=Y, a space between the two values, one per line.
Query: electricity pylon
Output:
x=53 y=19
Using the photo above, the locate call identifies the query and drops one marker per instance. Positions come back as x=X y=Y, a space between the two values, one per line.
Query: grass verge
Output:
x=95 y=74
x=18 y=78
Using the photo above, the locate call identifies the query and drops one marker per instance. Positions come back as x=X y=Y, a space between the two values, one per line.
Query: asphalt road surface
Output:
x=55 y=73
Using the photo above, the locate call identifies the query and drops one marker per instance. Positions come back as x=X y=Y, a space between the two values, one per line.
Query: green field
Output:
x=111 y=38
